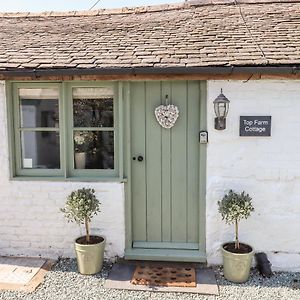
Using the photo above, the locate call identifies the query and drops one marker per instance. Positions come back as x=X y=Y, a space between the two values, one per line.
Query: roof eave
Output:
x=205 y=70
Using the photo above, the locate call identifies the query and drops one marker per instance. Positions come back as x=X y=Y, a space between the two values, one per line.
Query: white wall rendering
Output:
x=30 y=221
x=268 y=168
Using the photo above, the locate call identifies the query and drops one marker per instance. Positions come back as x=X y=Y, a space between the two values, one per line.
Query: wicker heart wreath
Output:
x=167 y=115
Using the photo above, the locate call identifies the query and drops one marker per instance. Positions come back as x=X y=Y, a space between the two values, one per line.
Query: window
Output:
x=64 y=130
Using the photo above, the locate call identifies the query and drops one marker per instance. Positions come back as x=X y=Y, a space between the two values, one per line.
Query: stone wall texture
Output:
x=268 y=168
x=31 y=223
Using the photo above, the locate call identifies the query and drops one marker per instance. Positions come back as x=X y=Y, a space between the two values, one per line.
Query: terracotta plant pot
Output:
x=237 y=265
x=90 y=257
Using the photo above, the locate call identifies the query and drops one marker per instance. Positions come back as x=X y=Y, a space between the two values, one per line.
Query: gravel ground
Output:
x=63 y=282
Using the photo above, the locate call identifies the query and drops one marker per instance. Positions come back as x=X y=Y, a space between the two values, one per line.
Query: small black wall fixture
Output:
x=221 y=106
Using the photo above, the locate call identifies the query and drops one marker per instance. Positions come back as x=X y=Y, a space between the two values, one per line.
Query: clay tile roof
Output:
x=192 y=34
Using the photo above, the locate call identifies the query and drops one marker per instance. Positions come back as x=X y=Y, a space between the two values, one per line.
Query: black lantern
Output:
x=221 y=106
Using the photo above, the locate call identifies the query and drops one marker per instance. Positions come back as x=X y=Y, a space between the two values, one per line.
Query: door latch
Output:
x=139 y=158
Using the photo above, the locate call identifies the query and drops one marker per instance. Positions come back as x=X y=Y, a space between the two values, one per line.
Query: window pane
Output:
x=93 y=107
x=94 y=149
x=40 y=150
x=39 y=113
x=38 y=94
x=39 y=107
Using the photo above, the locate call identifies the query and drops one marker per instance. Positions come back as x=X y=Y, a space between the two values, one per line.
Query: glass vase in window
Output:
x=81 y=140
x=94 y=149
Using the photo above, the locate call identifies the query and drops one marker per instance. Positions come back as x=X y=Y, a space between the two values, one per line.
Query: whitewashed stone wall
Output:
x=268 y=168
x=30 y=221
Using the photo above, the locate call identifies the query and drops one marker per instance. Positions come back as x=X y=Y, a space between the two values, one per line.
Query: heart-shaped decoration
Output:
x=167 y=115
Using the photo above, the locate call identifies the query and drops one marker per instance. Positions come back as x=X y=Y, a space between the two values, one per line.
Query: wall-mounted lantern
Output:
x=221 y=106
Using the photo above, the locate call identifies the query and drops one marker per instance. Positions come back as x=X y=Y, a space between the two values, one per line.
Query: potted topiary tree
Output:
x=237 y=257
x=81 y=206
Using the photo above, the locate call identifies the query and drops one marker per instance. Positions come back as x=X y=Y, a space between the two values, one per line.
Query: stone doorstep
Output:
x=34 y=281
x=121 y=275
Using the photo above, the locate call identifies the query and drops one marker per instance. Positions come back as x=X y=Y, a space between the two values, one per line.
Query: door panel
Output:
x=153 y=163
x=139 y=205
x=165 y=193
x=178 y=170
x=193 y=110
x=165 y=174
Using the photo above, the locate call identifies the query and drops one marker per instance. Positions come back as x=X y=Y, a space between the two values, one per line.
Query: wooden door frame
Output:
x=164 y=254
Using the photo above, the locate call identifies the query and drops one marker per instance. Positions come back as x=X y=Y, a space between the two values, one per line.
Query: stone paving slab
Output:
x=121 y=275
x=19 y=270
x=22 y=273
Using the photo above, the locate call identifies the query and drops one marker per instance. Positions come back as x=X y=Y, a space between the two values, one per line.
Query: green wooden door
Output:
x=165 y=184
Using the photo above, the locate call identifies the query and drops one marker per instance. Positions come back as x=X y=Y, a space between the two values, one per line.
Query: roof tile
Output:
x=196 y=33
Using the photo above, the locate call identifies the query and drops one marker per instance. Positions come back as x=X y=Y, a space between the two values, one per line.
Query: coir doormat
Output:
x=164 y=276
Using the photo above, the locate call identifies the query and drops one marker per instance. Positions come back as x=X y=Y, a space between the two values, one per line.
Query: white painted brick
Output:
x=19 y=244
x=268 y=168
x=30 y=221
x=7 y=229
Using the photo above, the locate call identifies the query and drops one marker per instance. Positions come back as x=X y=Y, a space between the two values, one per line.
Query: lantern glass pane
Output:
x=226 y=109
x=216 y=107
x=222 y=110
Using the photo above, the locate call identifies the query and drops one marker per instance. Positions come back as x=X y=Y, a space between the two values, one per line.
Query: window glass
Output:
x=93 y=107
x=39 y=113
x=93 y=111
x=64 y=133
x=39 y=128
x=39 y=107
x=94 y=149
x=40 y=150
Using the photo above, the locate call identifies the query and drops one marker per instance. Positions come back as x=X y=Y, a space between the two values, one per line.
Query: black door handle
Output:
x=139 y=158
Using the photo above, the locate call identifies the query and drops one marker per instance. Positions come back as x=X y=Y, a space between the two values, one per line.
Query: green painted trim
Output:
x=165 y=255
x=120 y=131
x=39 y=129
x=93 y=128
x=70 y=179
x=72 y=172
x=127 y=168
x=16 y=157
x=17 y=150
x=69 y=131
x=117 y=150
x=10 y=128
x=202 y=168
x=65 y=130
x=166 y=245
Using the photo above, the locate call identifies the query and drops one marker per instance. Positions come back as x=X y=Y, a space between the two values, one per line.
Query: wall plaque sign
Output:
x=255 y=125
